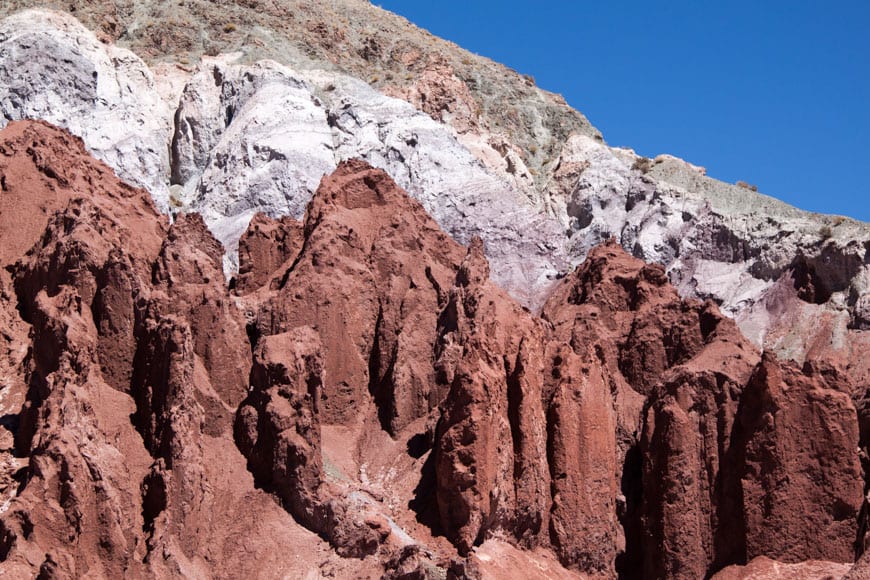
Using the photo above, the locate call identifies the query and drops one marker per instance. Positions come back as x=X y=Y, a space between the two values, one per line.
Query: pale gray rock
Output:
x=719 y=241
x=261 y=137
x=53 y=68
x=248 y=139
x=524 y=245
x=504 y=159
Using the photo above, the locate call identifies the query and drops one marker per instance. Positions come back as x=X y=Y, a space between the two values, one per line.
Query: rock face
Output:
x=646 y=409
x=487 y=154
x=720 y=465
x=403 y=377
x=352 y=35
x=268 y=247
x=491 y=434
x=780 y=402
x=278 y=426
x=366 y=372
x=247 y=140
x=759 y=259
x=386 y=281
x=53 y=68
x=766 y=569
x=137 y=362
x=260 y=138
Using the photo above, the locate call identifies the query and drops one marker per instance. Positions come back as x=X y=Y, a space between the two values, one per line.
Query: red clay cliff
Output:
x=361 y=400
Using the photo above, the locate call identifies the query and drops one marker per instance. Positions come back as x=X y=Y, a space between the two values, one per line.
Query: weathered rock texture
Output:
x=53 y=68
x=575 y=431
x=364 y=386
x=762 y=568
x=260 y=138
x=137 y=361
x=366 y=372
x=267 y=248
x=795 y=282
x=352 y=35
x=487 y=153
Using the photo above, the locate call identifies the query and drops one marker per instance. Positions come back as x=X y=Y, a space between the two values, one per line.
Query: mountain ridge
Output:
x=475 y=173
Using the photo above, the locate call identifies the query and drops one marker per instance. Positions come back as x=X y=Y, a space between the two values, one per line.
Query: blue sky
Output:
x=774 y=93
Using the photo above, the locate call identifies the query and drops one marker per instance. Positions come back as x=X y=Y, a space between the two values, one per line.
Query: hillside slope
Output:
x=487 y=154
x=296 y=288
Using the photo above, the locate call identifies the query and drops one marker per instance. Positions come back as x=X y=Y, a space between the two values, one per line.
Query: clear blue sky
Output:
x=774 y=93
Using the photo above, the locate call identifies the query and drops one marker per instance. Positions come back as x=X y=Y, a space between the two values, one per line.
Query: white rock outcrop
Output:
x=243 y=138
x=248 y=139
x=53 y=68
x=260 y=138
x=526 y=247
x=745 y=250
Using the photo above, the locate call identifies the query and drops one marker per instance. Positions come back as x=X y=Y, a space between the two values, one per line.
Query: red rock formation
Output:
x=623 y=431
x=598 y=371
x=42 y=169
x=491 y=439
x=620 y=322
x=265 y=247
x=720 y=454
x=586 y=419
x=798 y=432
x=763 y=568
x=860 y=570
x=370 y=278
x=438 y=92
x=278 y=425
x=76 y=288
x=584 y=460
x=132 y=382
x=691 y=509
x=190 y=281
